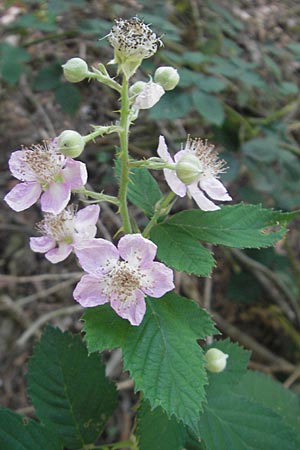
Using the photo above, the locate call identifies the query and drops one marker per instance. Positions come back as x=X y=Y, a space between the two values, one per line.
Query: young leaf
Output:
x=20 y=433
x=68 y=388
x=175 y=375
x=180 y=250
x=241 y=226
x=155 y=430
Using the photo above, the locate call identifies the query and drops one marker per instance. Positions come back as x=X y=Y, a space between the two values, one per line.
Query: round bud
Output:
x=70 y=143
x=167 y=77
x=215 y=360
x=75 y=70
x=189 y=169
x=137 y=87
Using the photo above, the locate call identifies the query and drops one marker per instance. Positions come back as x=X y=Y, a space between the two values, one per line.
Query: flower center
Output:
x=123 y=280
x=208 y=158
x=60 y=227
x=133 y=38
x=44 y=163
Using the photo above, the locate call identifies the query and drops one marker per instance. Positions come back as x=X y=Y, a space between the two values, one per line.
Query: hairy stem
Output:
x=162 y=207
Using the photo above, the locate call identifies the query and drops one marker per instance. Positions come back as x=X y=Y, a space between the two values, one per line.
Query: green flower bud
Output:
x=137 y=87
x=75 y=70
x=215 y=360
x=167 y=77
x=70 y=143
x=189 y=169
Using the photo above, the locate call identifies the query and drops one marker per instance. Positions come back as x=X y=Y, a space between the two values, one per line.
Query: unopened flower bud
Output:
x=215 y=360
x=70 y=143
x=75 y=70
x=167 y=77
x=137 y=87
x=149 y=96
x=189 y=169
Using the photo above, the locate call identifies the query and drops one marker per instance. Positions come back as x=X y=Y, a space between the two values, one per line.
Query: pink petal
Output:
x=59 y=253
x=56 y=198
x=75 y=173
x=89 y=292
x=175 y=184
x=42 y=244
x=85 y=221
x=157 y=280
x=23 y=195
x=97 y=256
x=202 y=201
x=132 y=308
x=215 y=189
x=162 y=150
x=19 y=168
x=137 y=250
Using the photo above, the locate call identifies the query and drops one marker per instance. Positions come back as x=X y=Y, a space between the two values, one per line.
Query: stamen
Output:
x=60 y=227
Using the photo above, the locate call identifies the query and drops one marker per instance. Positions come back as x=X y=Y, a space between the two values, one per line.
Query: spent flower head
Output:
x=44 y=174
x=63 y=232
x=132 y=41
x=196 y=168
x=124 y=283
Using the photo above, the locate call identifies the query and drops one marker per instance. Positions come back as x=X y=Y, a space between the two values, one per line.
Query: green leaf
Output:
x=68 y=388
x=143 y=189
x=12 y=61
x=209 y=106
x=179 y=250
x=68 y=97
x=265 y=390
x=156 y=431
x=233 y=422
x=175 y=374
x=262 y=149
x=241 y=226
x=172 y=105
x=20 y=433
x=48 y=77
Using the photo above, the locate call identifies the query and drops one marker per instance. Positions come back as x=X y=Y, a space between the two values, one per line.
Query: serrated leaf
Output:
x=167 y=365
x=233 y=422
x=172 y=105
x=241 y=226
x=20 y=433
x=143 y=190
x=263 y=389
x=209 y=106
x=156 y=431
x=181 y=251
x=68 y=388
x=68 y=97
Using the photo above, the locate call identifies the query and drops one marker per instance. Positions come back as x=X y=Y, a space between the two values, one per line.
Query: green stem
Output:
x=124 y=178
x=98 y=196
x=162 y=206
x=100 y=131
x=105 y=80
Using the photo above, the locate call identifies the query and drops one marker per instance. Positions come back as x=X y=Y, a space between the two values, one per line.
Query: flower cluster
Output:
x=126 y=274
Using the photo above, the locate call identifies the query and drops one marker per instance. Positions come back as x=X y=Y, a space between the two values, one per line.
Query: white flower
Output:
x=196 y=168
x=149 y=96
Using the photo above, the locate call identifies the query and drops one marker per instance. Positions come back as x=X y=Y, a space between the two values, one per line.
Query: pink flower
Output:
x=122 y=283
x=46 y=174
x=64 y=232
x=196 y=168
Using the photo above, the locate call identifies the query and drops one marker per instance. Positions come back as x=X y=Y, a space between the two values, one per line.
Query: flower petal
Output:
x=137 y=250
x=149 y=96
x=162 y=150
x=202 y=201
x=75 y=173
x=157 y=280
x=59 y=253
x=215 y=189
x=174 y=183
x=19 y=168
x=132 y=308
x=85 y=221
x=23 y=195
x=56 y=198
x=97 y=256
x=42 y=244
x=89 y=291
